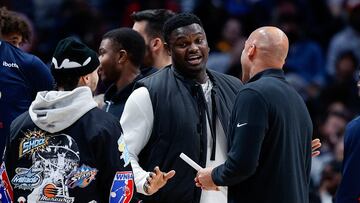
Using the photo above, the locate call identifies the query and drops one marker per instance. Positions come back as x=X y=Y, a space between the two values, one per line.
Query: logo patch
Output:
x=66 y=63
x=52 y=193
x=82 y=177
x=122 y=188
x=56 y=161
x=26 y=179
x=6 y=191
x=124 y=151
x=32 y=142
x=239 y=125
x=21 y=200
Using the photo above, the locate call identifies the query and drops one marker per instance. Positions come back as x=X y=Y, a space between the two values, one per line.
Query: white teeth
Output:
x=194 y=57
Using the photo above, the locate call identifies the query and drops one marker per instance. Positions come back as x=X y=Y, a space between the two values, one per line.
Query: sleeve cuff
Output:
x=216 y=177
x=139 y=177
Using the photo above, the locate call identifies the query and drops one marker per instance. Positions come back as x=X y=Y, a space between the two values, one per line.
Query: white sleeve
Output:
x=137 y=122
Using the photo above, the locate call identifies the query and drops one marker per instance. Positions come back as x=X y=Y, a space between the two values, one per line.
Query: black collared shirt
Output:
x=115 y=99
x=269 y=157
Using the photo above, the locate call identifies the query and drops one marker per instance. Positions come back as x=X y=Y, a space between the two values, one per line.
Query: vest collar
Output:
x=191 y=81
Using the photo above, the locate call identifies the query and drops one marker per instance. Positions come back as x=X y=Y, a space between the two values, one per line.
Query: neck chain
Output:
x=206 y=86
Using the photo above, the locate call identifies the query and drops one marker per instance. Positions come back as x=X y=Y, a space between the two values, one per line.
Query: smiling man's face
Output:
x=189 y=49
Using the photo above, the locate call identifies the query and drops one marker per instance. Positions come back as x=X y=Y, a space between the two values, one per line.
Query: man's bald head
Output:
x=266 y=47
x=271 y=44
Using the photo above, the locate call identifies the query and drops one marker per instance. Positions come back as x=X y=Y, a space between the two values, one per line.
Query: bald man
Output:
x=269 y=152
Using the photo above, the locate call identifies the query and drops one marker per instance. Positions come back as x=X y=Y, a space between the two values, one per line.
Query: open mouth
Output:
x=194 y=60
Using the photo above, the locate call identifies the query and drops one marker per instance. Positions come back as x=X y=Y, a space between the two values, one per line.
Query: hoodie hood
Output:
x=54 y=111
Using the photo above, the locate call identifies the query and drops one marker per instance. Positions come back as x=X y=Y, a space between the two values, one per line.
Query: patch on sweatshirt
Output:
x=122 y=189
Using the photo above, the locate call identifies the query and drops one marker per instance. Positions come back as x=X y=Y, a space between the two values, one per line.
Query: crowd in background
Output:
x=322 y=63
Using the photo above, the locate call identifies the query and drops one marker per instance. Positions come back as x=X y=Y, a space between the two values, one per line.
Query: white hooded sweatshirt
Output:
x=54 y=111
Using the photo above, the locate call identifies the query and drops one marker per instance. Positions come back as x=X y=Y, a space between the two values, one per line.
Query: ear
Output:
x=156 y=44
x=84 y=80
x=251 y=51
x=122 y=56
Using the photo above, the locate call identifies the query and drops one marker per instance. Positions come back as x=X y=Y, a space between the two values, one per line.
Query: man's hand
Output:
x=156 y=180
x=204 y=180
x=315 y=145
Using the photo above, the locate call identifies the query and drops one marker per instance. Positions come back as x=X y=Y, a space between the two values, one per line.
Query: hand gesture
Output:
x=156 y=180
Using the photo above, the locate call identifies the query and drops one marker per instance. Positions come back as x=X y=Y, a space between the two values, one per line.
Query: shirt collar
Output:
x=115 y=95
x=272 y=72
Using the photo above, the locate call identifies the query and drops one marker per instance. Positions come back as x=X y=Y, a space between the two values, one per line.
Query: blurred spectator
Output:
x=330 y=179
x=330 y=132
x=347 y=39
x=320 y=21
x=342 y=85
x=228 y=50
x=305 y=61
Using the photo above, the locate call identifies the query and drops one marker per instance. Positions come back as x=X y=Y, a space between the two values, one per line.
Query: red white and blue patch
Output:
x=122 y=189
x=6 y=191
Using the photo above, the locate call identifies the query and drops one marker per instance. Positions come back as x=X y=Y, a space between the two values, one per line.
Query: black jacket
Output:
x=180 y=126
x=148 y=71
x=115 y=100
x=78 y=164
x=269 y=144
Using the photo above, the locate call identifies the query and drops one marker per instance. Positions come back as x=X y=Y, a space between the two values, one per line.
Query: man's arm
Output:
x=39 y=75
x=248 y=126
x=137 y=122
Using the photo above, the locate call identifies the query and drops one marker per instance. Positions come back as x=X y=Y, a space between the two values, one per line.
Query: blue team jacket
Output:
x=21 y=76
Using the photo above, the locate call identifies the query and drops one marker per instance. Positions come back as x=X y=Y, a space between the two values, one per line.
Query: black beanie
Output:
x=74 y=58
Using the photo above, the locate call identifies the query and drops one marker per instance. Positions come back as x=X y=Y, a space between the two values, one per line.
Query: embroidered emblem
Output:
x=56 y=161
x=82 y=177
x=32 y=142
x=125 y=155
x=52 y=193
x=122 y=188
x=69 y=64
x=26 y=179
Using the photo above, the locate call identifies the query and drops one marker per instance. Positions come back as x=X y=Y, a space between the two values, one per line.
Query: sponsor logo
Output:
x=239 y=125
x=82 y=177
x=122 y=188
x=32 y=142
x=6 y=191
x=26 y=179
x=10 y=65
x=66 y=63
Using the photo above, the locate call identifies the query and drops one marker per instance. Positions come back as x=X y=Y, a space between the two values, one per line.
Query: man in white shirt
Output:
x=182 y=108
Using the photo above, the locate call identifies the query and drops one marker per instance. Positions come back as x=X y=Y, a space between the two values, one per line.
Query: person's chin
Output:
x=196 y=66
